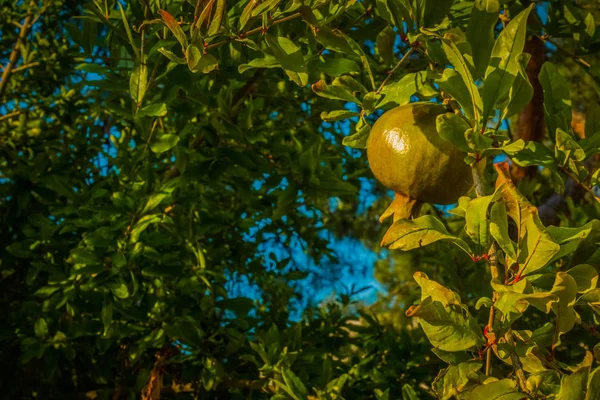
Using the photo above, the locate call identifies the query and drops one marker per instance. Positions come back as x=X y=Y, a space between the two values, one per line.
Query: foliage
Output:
x=153 y=154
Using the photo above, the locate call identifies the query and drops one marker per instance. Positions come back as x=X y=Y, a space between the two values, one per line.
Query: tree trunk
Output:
x=530 y=122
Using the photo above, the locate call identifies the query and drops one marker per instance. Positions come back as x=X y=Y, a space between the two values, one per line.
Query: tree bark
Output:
x=530 y=122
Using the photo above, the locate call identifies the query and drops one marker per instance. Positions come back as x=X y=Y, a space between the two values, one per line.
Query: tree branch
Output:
x=391 y=73
x=494 y=271
x=9 y=115
x=259 y=29
x=22 y=67
x=582 y=185
x=14 y=55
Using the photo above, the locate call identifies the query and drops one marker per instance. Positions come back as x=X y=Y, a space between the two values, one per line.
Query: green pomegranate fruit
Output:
x=407 y=155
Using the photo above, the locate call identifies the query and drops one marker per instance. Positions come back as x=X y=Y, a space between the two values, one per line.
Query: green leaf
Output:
x=193 y=56
x=505 y=389
x=436 y=291
x=585 y=276
x=215 y=23
x=385 y=44
x=294 y=383
x=457 y=60
x=574 y=386
x=153 y=110
x=118 y=260
x=120 y=290
x=290 y=57
x=141 y=225
x=557 y=100
x=107 y=314
x=358 y=140
x=456 y=379
x=534 y=153
x=521 y=92
x=138 y=82
x=192 y=334
x=205 y=64
x=164 y=143
x=408 y=393
x=565 y=287
x=452 y=127
x=40 y=328
x=512 y=302
x=478 y=142
x=584 y=31
x=333 y=187
x=265 y=7
x=337 y=115
x=246 y=14
x=431 y=12
x=369 y=101
x=333 y=39
x=356 y=87
x=396 y=12
x=333 y=92
x=399 y=93
x=407 y=234
x=286 y=201
x=477 y=221
x=83 y=256
x=174 y=27
x=504 y=65
x=452 y=83
x=267 y=62
x=536 y=246
x=593 y=385
x=333 y=67
x=128 y=32
x=89 y=35
x=363 y=58
x=480 y=32
x=568 y=153
x=570 y=239
x=46 y=291
x=484 y=302
x=336 y=40
x=157 y=198
x=449 y=328
x=452 y=357
x=590 y=144
x=171 y=56
x=499 y=229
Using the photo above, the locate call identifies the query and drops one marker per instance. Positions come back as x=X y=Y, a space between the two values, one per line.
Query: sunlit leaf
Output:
x=290 y=57
x=504 y=66
x=174 y=27
x=481 y=32
x=407 y=234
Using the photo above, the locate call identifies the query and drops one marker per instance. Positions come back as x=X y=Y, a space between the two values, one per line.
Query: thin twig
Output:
x=585 y=187
x=494 y=271
x=517 y=366
x=257 y=30
x=493 y=260
x=14 y=54
x=22 y=67
x=575 y=57
x=391 y=73
x=9 y=115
